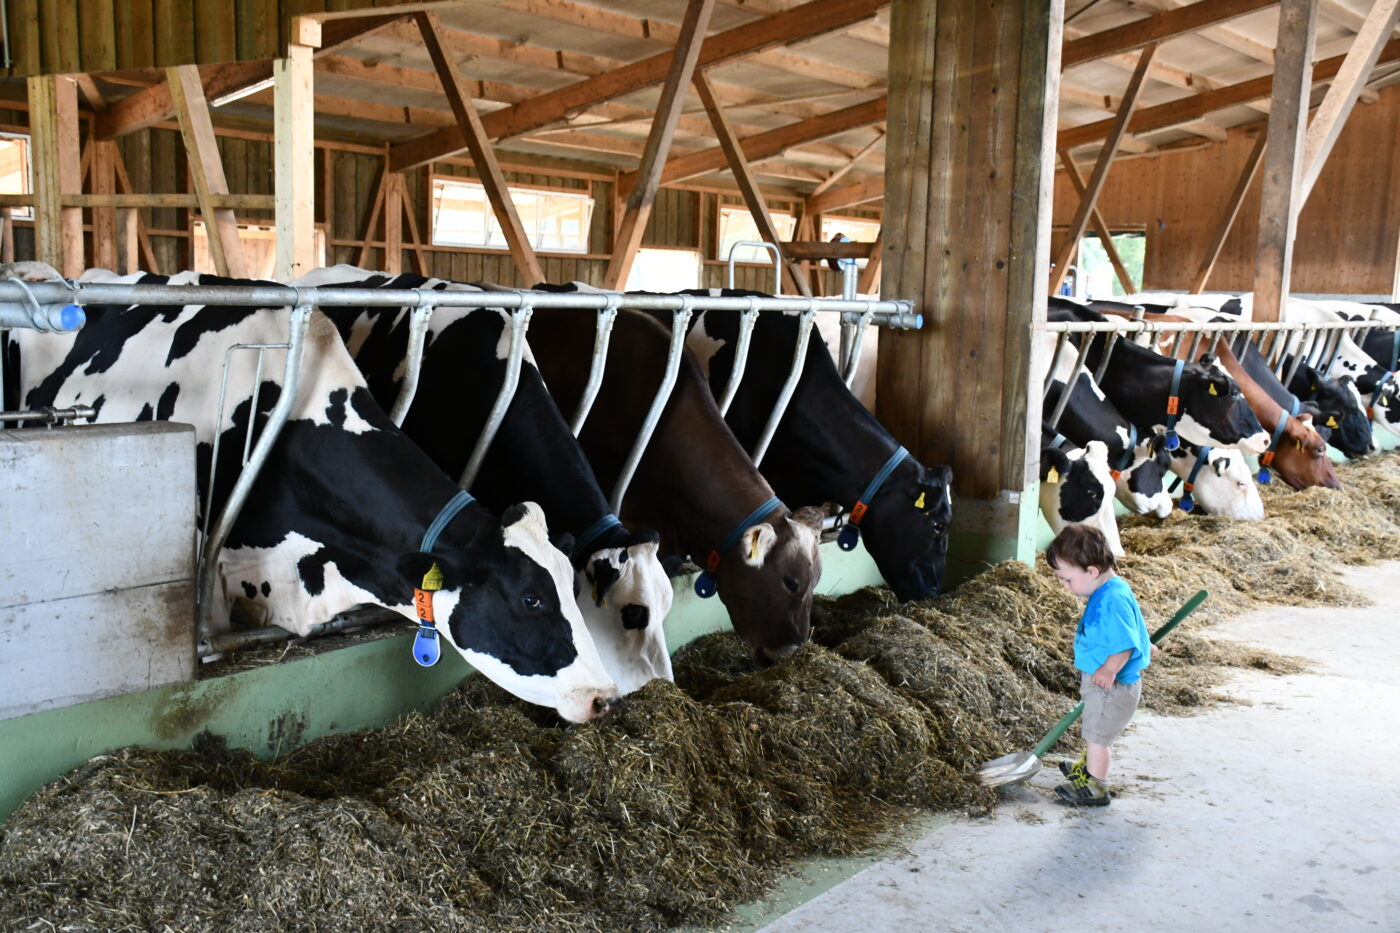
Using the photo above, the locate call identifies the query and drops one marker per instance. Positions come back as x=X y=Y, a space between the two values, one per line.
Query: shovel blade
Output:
x=1009 y=769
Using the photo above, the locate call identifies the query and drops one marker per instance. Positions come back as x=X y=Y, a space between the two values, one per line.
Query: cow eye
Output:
x=531 y=601
x=790 y=583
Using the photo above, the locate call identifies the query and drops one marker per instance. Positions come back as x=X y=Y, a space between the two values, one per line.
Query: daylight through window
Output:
x=554 y=221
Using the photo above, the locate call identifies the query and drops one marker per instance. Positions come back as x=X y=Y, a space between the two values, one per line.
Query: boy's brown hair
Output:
x=1082 y=546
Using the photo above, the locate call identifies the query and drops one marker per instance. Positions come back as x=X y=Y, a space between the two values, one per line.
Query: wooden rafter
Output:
x=1232 y=211
x=682 y=61
x=470 y=128
x=1125 y=278
x=1157 y=28
x=814 y=18
x=1101 y=168
x=758 y=208
x=206 y=169
x=840 y=173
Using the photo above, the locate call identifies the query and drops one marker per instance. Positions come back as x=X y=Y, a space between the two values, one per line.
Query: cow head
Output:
x=624 y=595
x=766 y=582
x=506 y=603
x=1224 y=485
x=1076 y=487
x=1214 y=412
x=1142 y=487
x=906 y=528
x=1301 y=457
x=1352 y=434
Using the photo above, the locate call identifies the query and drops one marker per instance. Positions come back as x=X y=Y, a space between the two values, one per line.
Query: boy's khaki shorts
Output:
x=1106 y=712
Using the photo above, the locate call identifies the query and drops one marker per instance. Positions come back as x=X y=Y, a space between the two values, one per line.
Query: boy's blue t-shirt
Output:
x=1112 y=622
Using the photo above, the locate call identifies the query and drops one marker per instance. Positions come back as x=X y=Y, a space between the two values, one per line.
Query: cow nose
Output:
x=768 y=657
x=602 y=704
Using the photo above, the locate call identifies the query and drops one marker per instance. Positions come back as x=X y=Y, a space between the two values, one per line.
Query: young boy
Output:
x=1111 y=650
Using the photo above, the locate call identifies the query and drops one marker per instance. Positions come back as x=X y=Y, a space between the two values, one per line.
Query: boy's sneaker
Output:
x=1088 y=792
x=1075 y=769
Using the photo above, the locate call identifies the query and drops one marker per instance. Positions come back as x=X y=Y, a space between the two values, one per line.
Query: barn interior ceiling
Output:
x=809 y=106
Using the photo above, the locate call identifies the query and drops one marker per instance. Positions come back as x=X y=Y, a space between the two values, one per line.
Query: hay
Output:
x=689 y=798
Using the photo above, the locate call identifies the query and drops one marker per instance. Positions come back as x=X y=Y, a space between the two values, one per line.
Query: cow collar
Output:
x=850 y=534
x=1188 y=502
x=426 y=649
x=1380 y=388
x=705 y=584
x=1128 y=454
x=583 y=546
x=1170 y=440
x=1264 y=461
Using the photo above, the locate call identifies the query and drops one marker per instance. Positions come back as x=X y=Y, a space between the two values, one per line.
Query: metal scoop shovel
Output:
x=1022 y=766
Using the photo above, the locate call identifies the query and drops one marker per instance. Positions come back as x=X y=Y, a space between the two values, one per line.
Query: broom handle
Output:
x=1068 y=719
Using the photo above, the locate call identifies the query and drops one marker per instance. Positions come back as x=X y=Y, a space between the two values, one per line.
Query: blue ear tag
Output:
x=1171 y=441
x=705 y=585
x=1187 y=503
x=426 y=648
x=848 y=538
x=1264 y=475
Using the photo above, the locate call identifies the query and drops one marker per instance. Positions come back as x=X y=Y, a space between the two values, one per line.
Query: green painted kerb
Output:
x=274 y=709
x=1006 y=529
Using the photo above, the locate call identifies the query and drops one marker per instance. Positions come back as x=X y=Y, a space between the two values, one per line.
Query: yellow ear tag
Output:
x=1211 y=388
x=1331 y=422
x=919 y=502
x=753 y=550
x=1053 y=476
x=432 y=580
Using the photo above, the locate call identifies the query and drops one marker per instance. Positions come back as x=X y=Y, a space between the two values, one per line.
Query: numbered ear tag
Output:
x=426 y=647
x=1187 y=503
x=705 y=585
x=919 y=502
x=1171 y=441
x=1053 y=476
x=848 y=538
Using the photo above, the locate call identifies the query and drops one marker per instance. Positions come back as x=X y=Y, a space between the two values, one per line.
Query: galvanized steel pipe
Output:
x=680 y=323
x=519 y=324
x=747 y=320
x=607 y=316
x=799 y=362
x=419 y=319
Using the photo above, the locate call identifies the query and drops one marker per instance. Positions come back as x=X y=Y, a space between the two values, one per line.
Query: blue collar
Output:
x=1268 y=456
x=1188 y=502
x=1130 y=452
x=583 y=545
x=1394 y=351
x=850 y=534
x=1170 y=439
x=426 y=649
x=1059 y=441
x=1380 y=387
x=705 y=584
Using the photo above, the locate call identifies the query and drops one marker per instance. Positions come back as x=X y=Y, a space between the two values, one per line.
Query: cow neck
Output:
x=1266 y=459
x=707 y=584
x=1188 y=501
x=1123 y=381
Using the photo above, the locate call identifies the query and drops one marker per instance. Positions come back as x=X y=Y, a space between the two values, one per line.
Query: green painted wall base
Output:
x=274 y=709
x=1005 y=529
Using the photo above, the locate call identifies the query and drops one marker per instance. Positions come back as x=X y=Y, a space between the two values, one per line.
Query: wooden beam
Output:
x=143 y=237
x=393 y=223
x=1232 y=210
x=372 y=223
x=479 y=144
x=155 y=104
x=840 y=173
x=1100 y=174
x=234 y=202
x=810 y=19
x=835 y=199
x=819 y=249
x=206 y=169
x=1283 y=158
x=294 y=160
x=1341 y=96
x=869 y=281
x=420 y=258
x=1100 y=227
x=758 y=207
x=1157 y=28
x=53 y=121
x=104 y=219
x=682 y=63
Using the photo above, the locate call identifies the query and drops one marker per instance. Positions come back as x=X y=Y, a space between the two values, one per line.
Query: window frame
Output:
x=584 y=194
x=23 y=213
x=767 y=259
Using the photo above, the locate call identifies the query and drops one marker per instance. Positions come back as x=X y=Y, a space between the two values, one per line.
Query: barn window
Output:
x=736 y=224
x=15 y=172
x=664 y=270
x=259 y=249
x=1100 y=281
x=554 y=221
x=859 y=229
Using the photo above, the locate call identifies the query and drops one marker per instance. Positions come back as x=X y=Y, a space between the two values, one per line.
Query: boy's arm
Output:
x=1108 y=671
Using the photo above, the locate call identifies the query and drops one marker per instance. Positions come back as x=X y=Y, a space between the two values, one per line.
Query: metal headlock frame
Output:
x=1318 y=343
x=520 y=304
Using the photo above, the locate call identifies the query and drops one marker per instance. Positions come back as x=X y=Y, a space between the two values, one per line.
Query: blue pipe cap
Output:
x=426 y=647
x=705 y=585
x=848 y=538
x=71 y=317
x=1171 y=441
x=1187 y=504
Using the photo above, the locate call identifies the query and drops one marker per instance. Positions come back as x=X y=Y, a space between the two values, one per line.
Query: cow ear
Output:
x=563 y=541
x=1218 y=385
x=755 y=543
x=1207 y=358
x=1054 y=463
x=1221 y=465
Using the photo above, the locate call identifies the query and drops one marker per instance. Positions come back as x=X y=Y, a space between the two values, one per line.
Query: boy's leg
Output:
x=1098 y=758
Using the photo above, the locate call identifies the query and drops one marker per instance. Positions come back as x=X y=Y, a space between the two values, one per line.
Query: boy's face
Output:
x=1081 y=581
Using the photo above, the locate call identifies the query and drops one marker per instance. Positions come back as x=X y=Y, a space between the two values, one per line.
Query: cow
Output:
x=1218 y=480
x=341 y=513
x=534 y=456
x=695 y=484
x=1209 y=407
x=1076 y=487
x=1382 y=347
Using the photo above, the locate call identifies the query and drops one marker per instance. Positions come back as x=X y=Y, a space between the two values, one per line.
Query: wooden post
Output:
x=7 y=235
x=53 y=121
x=870 y=275
x=1288 y=108
x=294 y=159
x=420 y=258
x=1095 y=186
x=1232 y=210
x=969 y=169
x=372 y=224
x=758 y=208
x=206 y=169
x=393 y=223
x=104 y=219
x=143 y=239
x=663 y=128
x=1100 y=226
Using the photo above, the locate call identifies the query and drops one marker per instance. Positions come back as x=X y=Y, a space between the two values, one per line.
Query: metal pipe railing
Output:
x=852 y=364
x=49 y=415
x=680 y=325
x=760 y=244
x=607 y=317
x=799 y=363
x=519 y=324
x=747 y=320
x=419 y=320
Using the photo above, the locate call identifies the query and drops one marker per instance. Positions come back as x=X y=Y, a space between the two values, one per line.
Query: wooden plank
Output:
x=808 y=20
x=1159 y=28
x=855 y=160
x=393 y=223
x=7 y=235
x=817 y=249
x=104 y=219
x=206 y=169
x=53 y=119
x=1232 y=210
x=1341 y=96
x=155 y=104
x=420 y=259
x=835 y=199
x=98 y=35
x=1283 y=157
x=372 y=222
x=143 y=237
x=479 y=144
x=869 y=282
x=174 y=32
x=216 y=32
x=758 y=207
x=25 y=46
x=236 y=202
x=1101 y=169
x=294 y=172
x=682 y=61
x=1100 y=227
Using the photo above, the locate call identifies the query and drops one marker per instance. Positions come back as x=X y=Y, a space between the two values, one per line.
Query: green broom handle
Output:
x=1068 y=719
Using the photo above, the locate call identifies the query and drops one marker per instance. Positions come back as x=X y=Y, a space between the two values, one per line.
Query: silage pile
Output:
x=689 y=798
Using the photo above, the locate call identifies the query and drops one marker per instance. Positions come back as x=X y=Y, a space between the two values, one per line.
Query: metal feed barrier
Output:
x=56 y=305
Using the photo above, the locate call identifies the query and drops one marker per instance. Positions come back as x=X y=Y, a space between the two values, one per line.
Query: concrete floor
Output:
x=1279 y=815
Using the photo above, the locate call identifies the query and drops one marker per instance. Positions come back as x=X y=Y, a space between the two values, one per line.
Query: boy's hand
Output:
x=1104 y=678
x=1108 y=671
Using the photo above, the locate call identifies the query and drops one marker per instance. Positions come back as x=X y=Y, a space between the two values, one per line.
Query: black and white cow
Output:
x=338 y=514
x=1211 y=410
x=1076 y=487
x=1377 y=386
x=1222 y=482
x=623 y=591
